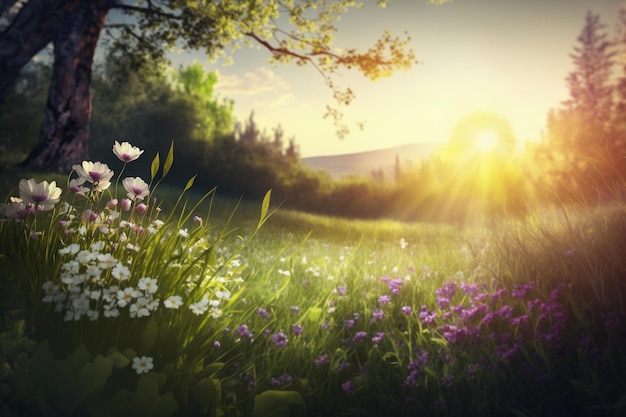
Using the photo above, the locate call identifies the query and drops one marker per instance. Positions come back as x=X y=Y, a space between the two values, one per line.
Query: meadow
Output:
x=135 y=299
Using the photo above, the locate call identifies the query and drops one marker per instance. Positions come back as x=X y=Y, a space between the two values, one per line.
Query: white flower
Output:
x=126 y=152
x=283 y=272
x=97 y=246
x=143 y=365
x=85 y=256
x=120 y=272
x=224 y=295
x=149 y=285
x=216 y=313
x=70 y=249
x=403 y=243
x=183 y=233
x=200 y=307
x=110 y=311
x=96 y=173
x=136 y=187
x=50 y=290
x=173 y=301
x=126 y=296
x=41 y=195
x=76 y=185
x=139 y=308
x=106 y=261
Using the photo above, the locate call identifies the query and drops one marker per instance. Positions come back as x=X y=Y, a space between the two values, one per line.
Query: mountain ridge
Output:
x=364 y=163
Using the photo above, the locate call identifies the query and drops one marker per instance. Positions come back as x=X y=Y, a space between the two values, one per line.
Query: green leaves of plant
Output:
x=154 y=167
x=206 y=395
x=278 y=403
x=149 y=336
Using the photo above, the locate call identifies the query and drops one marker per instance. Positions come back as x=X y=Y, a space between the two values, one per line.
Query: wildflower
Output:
x=126 y=296
x=359 y=336
x=343 y=365
x=126 y=152
x=261 y=312
x=126 y=204
x=183 y=233
x=143 y=365
x=106 y=261
x=136 y=187
x=42 y=196
x=76 y=185
x=406 y=310
x=200 y=307
x=15 y=209
x=296 y=329
x=378 y=338
x=96 y=173
x=377 y=315
x=149 y=285
x=243 y=332
x=341 y=290
x=217 y=344
x=383 y=300
x=223 y=295
x=198 y=220
x=348 y=387
x=120 y=272
x=294 y=309
x=403 y=243
x=348 y=323
x=322 y=360
x=279 y=340
x=141 y=208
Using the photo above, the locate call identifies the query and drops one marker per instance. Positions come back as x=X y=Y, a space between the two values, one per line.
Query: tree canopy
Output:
x=301 y=31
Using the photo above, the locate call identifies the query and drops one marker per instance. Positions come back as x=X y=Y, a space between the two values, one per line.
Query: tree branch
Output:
x=146 y=10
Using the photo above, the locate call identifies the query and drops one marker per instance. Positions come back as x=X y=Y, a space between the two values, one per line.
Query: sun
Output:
x=486 y=141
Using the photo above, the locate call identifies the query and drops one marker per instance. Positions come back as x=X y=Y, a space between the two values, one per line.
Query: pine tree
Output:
x=591 y=93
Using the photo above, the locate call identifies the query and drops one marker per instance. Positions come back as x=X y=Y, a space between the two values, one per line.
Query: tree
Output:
x=589 y=84
x=74 y=27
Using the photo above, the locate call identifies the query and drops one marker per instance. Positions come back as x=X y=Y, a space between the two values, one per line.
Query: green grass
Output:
x=519 y=317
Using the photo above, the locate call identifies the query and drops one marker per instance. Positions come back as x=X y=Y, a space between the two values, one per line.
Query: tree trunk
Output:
x=64 y=136
x=24 y=34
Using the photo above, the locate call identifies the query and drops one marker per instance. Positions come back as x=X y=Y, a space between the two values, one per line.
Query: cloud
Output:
x=251 y=83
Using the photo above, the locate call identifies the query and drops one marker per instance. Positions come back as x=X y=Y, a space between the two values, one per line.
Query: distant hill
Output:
x=363 y=163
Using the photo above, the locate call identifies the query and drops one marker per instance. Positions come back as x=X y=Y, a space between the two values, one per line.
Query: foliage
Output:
x=524 y=317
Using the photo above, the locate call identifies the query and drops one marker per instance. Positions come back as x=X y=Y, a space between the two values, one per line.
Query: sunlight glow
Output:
x=486 y=141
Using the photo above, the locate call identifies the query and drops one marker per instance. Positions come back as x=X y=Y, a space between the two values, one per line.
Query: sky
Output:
x=509 y=57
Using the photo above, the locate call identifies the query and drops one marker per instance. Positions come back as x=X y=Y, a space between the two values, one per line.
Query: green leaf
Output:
x=146 y=400
x=154 y=168
x=189 y=183
x=169 y=160
x=206 y=394
x=149 y=336
x=274 y=403
x=265 y=206
x=213 y=368
x=93 y=375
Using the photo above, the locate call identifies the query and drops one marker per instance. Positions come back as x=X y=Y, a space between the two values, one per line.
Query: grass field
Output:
x=309 y=315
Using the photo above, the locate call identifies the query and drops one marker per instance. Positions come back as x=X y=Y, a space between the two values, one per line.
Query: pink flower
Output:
x=43 y=195
x=136 y=187
x=96 y=173
x=126 y=152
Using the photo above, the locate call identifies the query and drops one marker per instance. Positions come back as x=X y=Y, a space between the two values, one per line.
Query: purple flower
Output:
x=377 y=315
x=279 y=340
x=448 y=290
x=325 y=325
x=294 y=309
x=341 y=290
x=359 y=336
x=383 y=300
x=284 y=379
x=395 y=285
x=322 y=360
x=425 y=316
x=348 y=323
x=378 y=338
x=296 y=329
x=243 y=333
x=261 y=312
x=406 y=310
x=348 y=387
x=343 y=365
x=356 y=316
x=520 y=291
